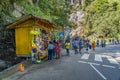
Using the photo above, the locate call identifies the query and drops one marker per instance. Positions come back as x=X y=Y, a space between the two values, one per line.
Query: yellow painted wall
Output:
x=23 y=38
x=21 y=41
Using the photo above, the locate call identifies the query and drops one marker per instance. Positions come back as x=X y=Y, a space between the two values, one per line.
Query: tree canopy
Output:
x=55 y=10
x=103 y=18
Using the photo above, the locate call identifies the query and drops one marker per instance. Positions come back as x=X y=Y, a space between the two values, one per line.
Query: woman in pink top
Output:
x=57 y=49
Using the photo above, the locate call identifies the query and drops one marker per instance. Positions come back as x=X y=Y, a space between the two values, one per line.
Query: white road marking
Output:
x=109 y=66
x=104 y=55
x=85 y=56
x=98 y=72
x=98 y=58
x=82 y=62
x=112 y=60
x=95 y=64
x=118 y=59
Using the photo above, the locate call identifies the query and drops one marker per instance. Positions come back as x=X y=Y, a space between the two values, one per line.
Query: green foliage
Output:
x=103 y=18
x=56 y=10
x=5 y=10
x=51 y=9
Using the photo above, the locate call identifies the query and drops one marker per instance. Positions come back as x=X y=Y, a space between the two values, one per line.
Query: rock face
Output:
x=18 y=11
x=67 y=33
x=2 y=65
x=7 y=50
x=77 y=18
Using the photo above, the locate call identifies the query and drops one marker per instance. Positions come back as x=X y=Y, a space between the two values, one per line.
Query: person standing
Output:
x=80 y=45
x=54 y=42
x=33 y=51
x=113 y=41
x=93 y=45
x=86 y=45
x=109 y=41
x=67 y=47
x=75 y=44
x=57 y=49
x=50 y=50
x=90 y=45
x=97 y=43
x=102 y=43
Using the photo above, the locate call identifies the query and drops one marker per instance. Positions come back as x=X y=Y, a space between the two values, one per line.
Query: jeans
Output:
x=50 y=54
x=68 y=52
x=76 y=51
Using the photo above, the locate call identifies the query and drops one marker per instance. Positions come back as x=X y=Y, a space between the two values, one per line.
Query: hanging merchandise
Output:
x=33 y=50
x=34 y=32
x=41 y=41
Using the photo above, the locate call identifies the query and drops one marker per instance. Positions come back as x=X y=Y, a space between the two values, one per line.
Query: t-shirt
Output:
x=50 y=46
x=67 y=45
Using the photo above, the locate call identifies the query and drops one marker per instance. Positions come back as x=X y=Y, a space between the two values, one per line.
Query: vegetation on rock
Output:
x=103 y=18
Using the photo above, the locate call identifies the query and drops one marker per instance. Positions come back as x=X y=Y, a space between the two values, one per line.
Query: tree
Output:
x=103 y=17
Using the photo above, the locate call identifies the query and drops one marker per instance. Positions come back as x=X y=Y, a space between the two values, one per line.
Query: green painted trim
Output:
x=24 y=55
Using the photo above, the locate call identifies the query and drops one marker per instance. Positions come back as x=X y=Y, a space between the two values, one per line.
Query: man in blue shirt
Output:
x=75 y=45
x=50 y=50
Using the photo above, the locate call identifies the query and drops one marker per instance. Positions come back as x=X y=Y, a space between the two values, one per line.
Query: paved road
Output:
x=102 y=64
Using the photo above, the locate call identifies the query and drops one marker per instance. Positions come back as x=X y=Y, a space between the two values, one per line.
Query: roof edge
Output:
x=30 y=16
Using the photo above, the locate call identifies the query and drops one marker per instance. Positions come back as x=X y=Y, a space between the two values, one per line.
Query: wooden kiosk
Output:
x=23 y=27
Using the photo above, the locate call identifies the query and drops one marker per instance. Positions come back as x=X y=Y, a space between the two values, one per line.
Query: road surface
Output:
x=102 y=64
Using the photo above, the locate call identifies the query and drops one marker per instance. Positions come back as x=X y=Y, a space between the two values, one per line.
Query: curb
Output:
x=13 y=69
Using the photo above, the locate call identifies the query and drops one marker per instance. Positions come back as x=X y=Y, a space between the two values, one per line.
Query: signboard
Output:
x=61 y=34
